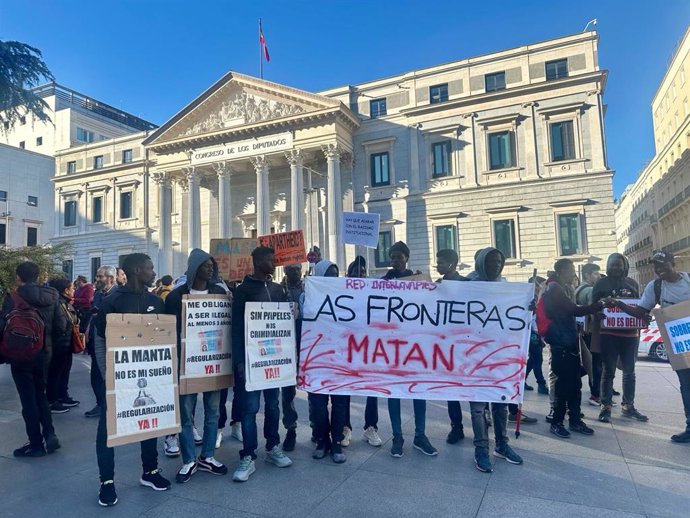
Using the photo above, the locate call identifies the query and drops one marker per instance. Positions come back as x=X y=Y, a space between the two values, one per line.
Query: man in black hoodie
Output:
x=617 y=343
x=258 y=287
x=133 y=297
x=30 y=377
x=202 y=279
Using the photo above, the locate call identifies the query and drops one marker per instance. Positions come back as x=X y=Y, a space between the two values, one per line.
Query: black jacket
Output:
x=251 y=290
x=46 y=301
x=561 y=310
x=125 y=300
x=62 y=334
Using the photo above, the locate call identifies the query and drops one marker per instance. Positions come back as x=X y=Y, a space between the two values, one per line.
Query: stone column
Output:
x=224 y=171
x=193 y=208
x=335 y=248
x=162 y=180
x=295 y=159
x=263 y=218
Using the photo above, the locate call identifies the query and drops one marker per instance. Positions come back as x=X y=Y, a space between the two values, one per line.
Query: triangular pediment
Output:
x=238 y=100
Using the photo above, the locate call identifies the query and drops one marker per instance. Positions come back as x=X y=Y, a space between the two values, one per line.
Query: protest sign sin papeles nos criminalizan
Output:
x=270 y=346
x=234 y=257
x=360 y=228
x=674 y=325
x=141 y=377
x=206 y=349
x=616 y=318
x=289 y=247
x=462 y=341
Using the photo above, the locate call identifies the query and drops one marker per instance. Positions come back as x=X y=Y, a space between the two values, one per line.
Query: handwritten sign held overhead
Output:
x=289 y=246
x=360 y=228
x=234 y=257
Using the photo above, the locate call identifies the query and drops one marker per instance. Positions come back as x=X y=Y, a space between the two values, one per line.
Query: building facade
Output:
x=504 y=150
x=654 y=212
x=26 y=197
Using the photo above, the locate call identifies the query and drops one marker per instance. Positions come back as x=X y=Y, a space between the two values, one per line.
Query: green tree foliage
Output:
x=21 y=68
x=49 y=258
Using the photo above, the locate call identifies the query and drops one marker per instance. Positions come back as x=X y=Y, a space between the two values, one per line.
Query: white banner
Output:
x=270 y=350
x=360 y=228
x=243 y=148
x=464 y=341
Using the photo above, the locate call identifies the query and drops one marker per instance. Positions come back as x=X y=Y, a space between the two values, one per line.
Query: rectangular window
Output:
x=3 y=233
x=126 y=205
x=98 y=162
x=438 y=93
x=22 y=145
x=495 y=82
x=441 y=155
x=84 y=135
x=71 y=167
x=126 y=156
x=562 y=141
x=380 y=174
x=501 y=150
x=377 y=108
x=95 y=265
x=22 y=121
x=70 y=213
x=97 y=209
x=381 y=259
x=556 y=69
x=3 y=195
x=504 y=237
x=446 y=237
x=31 y=236
x=570 y=234
x=68 y=268
x=39 y=141
x=32 y=201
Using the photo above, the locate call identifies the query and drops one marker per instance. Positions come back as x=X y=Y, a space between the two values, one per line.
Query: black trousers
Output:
x=566 y=367
x=325 y=429
x=58 y=375
x=30 y=380
x=96 y=381
x=455 y=414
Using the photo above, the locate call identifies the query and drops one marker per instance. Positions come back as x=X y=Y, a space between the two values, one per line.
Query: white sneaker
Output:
x=244 y=470
x=276 y=456
x=236 y=431
x=219 y=438
x=372 y=436
x=198 y=440
x=347 y=437
x=172 y=446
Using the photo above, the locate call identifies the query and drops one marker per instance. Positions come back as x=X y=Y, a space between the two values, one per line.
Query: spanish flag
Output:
x=262 y=41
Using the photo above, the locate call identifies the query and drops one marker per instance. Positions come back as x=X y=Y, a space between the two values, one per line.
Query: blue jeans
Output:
x=187 y=404
x=419 y=406
x=499 y=414
x=455 y=414
x=252 y=402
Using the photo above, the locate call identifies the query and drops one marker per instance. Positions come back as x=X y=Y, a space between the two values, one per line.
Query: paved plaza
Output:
x=626 y=469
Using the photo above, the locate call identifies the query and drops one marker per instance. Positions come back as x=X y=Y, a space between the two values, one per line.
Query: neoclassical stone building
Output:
x=504 y=150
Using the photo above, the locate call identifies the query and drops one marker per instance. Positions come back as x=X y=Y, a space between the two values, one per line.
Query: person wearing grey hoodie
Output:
x=202 y=279
x=488 y=267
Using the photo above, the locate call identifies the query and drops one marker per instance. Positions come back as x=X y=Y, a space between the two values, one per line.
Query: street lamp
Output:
x=591 y=22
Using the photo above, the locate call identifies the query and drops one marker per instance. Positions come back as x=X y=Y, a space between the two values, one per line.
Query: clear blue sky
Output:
x=151 y=57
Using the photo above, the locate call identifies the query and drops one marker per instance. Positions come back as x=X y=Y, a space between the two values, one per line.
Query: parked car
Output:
x=651 y=344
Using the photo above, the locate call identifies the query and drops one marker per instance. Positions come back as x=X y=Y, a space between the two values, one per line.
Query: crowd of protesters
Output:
x=69 y=310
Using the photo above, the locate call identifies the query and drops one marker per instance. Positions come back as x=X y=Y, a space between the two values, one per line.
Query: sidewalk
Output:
x=626 y=469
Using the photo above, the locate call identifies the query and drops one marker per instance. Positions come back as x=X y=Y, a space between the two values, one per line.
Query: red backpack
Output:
x=23 y=336
x=543 y=321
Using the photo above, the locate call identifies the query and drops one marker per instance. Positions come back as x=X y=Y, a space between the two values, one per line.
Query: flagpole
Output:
x=261 y=52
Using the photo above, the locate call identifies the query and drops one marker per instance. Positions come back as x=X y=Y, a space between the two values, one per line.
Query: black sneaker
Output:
x=421 y=442
x=559 y=430
x=605 y=415
x=528 y=388
x=337 y=453
x=482 y=461
x=321 y=450
x=397 y=446
x=524 y=419
x=106 y=495
x=185 y=473
x=58 y=408
x=94 y=412
x=155 y=480
x=631 y=411
x=543 y=389
x=615 y=392
x=28 y=451
x=506 y=452
x=681 y=437
x=549 y=417
x=290 y=439
x=212 y=466
x=581 y=428
x=455 y=435
x=52 y=444
x=69 y=402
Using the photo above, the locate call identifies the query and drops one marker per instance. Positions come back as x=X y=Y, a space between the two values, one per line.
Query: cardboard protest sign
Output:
x=463 y=341
x=360 y=228
x=289 y=246
x=234 y=257
x=141 y=377
x=270 y=346
x=205 y=355
x=674 y=325
x=616 y=318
